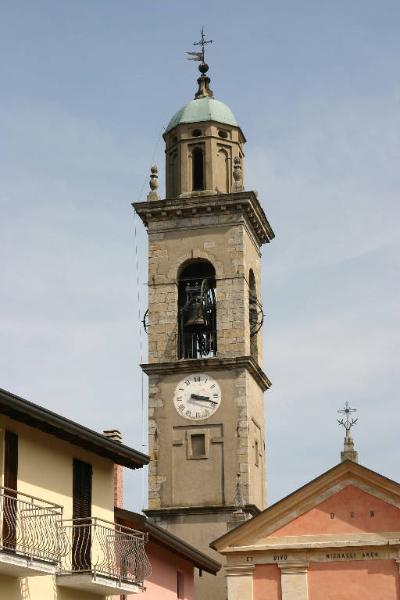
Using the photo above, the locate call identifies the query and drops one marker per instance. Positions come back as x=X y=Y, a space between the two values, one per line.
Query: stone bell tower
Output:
x=206 y=382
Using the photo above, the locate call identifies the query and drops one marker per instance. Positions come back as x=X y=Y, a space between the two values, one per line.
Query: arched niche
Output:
x=222 y=171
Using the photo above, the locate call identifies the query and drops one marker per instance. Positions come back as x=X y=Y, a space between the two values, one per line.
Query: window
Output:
x=10 y=482
x=254 y=315
x=81 y=513
x=197 y=310
x=173 y=172
x=256 y=454
x=82 y=490
x=10 y=460
x=196 y=133
x=223 y=134
x=180 y=592
x=198 y=441
x=198 y=169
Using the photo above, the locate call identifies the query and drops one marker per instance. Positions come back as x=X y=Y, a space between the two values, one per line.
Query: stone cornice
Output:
x=243 y=203
x=292 y=557
x=322 y=541
x=210 y=364
x=174 y=511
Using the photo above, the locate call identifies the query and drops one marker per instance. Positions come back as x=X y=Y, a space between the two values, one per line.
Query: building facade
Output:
x=58 y=538
x=336 y=538
x=206 y=382
x=173 y=561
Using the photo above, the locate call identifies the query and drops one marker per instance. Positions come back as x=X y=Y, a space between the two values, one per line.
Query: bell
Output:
x=194 y=314
x=193 y=310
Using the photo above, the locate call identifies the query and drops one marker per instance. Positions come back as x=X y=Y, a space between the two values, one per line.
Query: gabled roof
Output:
x=166 y=539
x=305 y=498
x=40 y=418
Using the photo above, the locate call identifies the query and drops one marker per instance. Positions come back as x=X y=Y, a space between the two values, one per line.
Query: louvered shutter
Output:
x=82 y=490
x=10 y=481
x=10 y=460
x=82 y=511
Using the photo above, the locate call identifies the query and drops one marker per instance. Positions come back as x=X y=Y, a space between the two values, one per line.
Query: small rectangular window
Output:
x=180 y=593
x=198 y=445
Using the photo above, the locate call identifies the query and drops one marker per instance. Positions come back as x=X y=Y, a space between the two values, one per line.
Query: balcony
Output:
x=103 y=558
x=31 y=541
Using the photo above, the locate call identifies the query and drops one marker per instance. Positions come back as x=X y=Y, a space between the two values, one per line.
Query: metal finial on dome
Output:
x=348 y=452
x=203 y=81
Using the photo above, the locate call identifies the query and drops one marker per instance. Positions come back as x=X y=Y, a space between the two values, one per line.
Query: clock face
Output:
x=197 y=397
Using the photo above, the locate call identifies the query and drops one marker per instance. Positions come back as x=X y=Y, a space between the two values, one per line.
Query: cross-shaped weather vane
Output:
x=347 y=421
x=199 y=56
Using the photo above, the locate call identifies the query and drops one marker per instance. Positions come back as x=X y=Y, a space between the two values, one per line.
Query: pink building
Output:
x=173 y=561
x=336 y=538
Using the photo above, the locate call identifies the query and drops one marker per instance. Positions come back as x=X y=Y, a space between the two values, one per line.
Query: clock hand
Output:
x=197 y=397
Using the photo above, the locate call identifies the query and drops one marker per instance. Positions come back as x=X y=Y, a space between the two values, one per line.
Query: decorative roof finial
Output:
x=237 y=175
x=239 y=515
x=239 y=502
x=153 y=194
x=348 y=453
x=203 y=81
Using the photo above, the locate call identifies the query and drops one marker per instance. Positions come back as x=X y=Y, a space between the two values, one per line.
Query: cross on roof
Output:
x=199 y=56
x=347 y=421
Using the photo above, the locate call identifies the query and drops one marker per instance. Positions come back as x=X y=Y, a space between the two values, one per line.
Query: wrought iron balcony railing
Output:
x=105 y=550
x=30 y=527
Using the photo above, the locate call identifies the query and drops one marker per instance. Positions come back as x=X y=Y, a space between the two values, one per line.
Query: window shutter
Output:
x=81 y=509
x=82 y=490
x=10 y=460
x=9 y=508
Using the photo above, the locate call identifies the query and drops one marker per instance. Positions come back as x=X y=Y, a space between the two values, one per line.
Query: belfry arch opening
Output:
x=197 y=169
x=197 y=317
x=253 y=314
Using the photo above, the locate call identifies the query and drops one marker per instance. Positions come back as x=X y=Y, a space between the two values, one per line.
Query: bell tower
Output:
x=206 y=382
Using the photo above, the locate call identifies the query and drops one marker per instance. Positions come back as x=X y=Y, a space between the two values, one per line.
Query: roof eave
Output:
x=222 y=543
x=31 y=414
x=167 y=539
x=168 y=131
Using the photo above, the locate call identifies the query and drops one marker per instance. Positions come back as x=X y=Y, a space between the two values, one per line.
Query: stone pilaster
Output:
x=239 y=581
x=294 y=583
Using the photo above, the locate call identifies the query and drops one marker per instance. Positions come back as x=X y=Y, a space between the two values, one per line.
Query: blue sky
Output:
x=86 y=89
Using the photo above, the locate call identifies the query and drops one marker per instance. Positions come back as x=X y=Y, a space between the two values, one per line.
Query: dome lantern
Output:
x=203 y=139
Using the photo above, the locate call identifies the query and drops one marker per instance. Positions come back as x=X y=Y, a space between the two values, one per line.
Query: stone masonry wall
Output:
x=223 y=241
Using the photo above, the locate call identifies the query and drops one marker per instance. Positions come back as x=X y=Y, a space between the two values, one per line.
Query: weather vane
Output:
x=347 y=421
x=199 y=56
